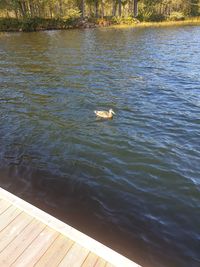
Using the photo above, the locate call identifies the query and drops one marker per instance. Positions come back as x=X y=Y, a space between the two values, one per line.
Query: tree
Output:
x=135 y=8
x=119 y=8
x=148 y=9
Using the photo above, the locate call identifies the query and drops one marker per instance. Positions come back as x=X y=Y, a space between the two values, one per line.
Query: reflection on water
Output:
x=131 y=182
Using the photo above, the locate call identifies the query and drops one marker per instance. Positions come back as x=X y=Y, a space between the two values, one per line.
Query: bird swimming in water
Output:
x=105 y=114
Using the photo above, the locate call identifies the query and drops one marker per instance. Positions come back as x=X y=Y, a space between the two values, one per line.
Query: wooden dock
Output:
x=31 y=237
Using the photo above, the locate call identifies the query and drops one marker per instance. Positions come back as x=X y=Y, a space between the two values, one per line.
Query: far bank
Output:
x=42 y=24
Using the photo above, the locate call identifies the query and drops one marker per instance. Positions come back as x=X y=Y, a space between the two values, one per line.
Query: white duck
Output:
x=105 y=114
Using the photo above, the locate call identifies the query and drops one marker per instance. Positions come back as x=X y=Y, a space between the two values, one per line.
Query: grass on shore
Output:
x=192 y=21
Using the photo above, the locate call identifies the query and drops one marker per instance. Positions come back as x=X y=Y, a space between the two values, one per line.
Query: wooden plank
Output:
x=75 y=256
x=37 y=248
x=4 y=205
x=16 y=248
x=100 y=263
x=54 y=255
x=8 y=216
x=19 y=244
x=109 y=265
x=13 y=229
x=90 y=260
x=90 y=244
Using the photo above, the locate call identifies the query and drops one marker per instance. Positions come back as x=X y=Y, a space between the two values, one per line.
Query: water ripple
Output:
x=134 y=179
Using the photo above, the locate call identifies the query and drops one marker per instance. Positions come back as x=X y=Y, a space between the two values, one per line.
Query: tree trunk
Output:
x=96 y=8
x=82 y=9
x=102 y=8
x=22 y=8
x=31 y=9
x=51 y=10
x=114 y=9
x=16 y=13
x=61 y=7
x=135 y=8
x=120 y=8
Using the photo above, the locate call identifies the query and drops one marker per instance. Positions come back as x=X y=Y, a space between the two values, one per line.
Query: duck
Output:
x=105 y=114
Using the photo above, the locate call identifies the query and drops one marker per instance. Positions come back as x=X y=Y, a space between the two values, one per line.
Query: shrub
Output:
x=151 y=16
x=9 y=24
x=35 y=24
x=156 y=17
x=176 y=16
x=149 y=13
x=73 y=13
x=124 y=20
x=29 y=24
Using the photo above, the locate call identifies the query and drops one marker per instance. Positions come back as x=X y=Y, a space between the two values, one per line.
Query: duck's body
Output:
x=104 y=114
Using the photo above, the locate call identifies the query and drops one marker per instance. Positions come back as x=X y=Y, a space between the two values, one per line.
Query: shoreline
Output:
x=187 y=22
x=40 y=24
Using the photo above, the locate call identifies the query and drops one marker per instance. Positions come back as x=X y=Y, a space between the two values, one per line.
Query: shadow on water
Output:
x=75 y=203
x=72 y=202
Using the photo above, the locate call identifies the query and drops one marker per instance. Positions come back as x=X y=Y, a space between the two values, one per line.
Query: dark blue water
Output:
x=132 y=182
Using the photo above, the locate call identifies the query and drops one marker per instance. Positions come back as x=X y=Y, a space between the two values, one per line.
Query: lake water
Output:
x=132 y=182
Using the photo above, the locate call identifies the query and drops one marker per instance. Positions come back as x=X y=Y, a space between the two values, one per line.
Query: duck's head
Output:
x=111 y=111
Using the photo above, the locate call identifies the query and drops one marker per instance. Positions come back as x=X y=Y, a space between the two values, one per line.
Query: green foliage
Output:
x=158 y=10
x=150 y=14
x=195 y=8
x=176 y=16
x=34 y=15
x=35 y=24
x=145 y=11
x=151 y=17
x=124 y=20
x=29 y=24
x=9 y=24
x=72 y=15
